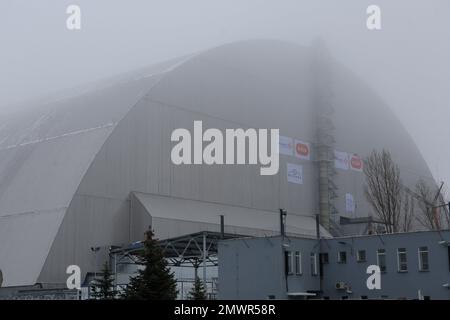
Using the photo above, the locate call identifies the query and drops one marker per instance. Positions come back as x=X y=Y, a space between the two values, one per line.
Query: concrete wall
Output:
x=241 y=278
x=394 y=284
x=260 y=260
x=253 y=268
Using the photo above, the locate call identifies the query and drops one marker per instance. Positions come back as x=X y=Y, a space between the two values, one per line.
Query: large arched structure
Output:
x=94 y=169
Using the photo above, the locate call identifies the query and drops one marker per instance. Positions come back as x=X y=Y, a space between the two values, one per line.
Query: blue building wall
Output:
x=255 y=268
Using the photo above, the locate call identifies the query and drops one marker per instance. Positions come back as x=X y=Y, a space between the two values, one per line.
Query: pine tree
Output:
x=154 y=281
x=198 y=292
x=103 y=288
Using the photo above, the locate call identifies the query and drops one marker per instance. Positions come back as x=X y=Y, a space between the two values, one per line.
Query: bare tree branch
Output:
x=383 y=190
x=429 y=217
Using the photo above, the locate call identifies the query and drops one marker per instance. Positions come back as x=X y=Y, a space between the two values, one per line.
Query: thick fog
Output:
x=407 y=62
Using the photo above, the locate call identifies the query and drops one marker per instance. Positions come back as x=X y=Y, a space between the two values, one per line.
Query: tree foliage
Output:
x=198 y=291
x=103 y=288
x=154 y=281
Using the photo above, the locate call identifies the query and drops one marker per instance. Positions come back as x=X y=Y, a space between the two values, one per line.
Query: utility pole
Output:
x=320 y=256
x=95 y=250
x=283 y=215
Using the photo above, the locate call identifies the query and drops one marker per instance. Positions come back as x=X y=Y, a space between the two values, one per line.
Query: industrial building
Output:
x=413 y=265
x=90 y=169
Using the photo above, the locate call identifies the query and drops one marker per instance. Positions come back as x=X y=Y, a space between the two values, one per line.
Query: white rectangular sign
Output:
x=294 y=173
x=286 y=146
x=349 y=203
x=341 y=160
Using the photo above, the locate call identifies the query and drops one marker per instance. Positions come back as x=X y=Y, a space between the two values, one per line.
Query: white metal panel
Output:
x=25 y=241
x=192 y=211
x=45 y=150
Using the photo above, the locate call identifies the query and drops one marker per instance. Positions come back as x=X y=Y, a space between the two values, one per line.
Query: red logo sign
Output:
x=302 y=149
x=356 y=162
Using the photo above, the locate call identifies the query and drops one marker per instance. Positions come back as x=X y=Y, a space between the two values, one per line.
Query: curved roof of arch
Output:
x=45 y=150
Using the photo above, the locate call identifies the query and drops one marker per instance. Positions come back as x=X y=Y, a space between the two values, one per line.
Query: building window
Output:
x=423 y=259
x=289 y=262
x=361 y=256
x=324 y=258
x=342 y=257
x=298 y=263
x=313 y=261
x=381 y=259
x=402 y=260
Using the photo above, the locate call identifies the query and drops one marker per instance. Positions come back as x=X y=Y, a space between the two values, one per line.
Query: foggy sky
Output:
x=407 y=62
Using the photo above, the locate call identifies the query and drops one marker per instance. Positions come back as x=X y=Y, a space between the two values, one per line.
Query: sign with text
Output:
x=286 y=146
x=294 y=173
x=341 y=160
x=349 y=203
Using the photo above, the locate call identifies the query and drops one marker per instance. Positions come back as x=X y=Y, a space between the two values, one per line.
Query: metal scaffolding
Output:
x=325 y=142
x=192 y=250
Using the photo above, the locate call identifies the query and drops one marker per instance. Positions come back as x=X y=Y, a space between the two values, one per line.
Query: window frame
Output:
x=420 y=251
x=339 y=260
x=298 y=263
x=399 y=263
x=385 y=260
x=289 y=263
x=358 y=256
x=313 y=264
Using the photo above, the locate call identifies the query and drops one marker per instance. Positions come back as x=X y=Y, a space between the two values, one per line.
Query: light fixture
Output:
x=444 y=243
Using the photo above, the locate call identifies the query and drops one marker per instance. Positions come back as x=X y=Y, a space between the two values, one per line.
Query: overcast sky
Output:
x=407 y=62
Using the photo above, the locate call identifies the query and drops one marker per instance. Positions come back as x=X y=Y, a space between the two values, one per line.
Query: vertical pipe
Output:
x=182 y=290
x=282 y=222
x=115 y=271
x=318 y=227
x=204 y=259
x=95 y=263
x=222 y=227
x=319 y=246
